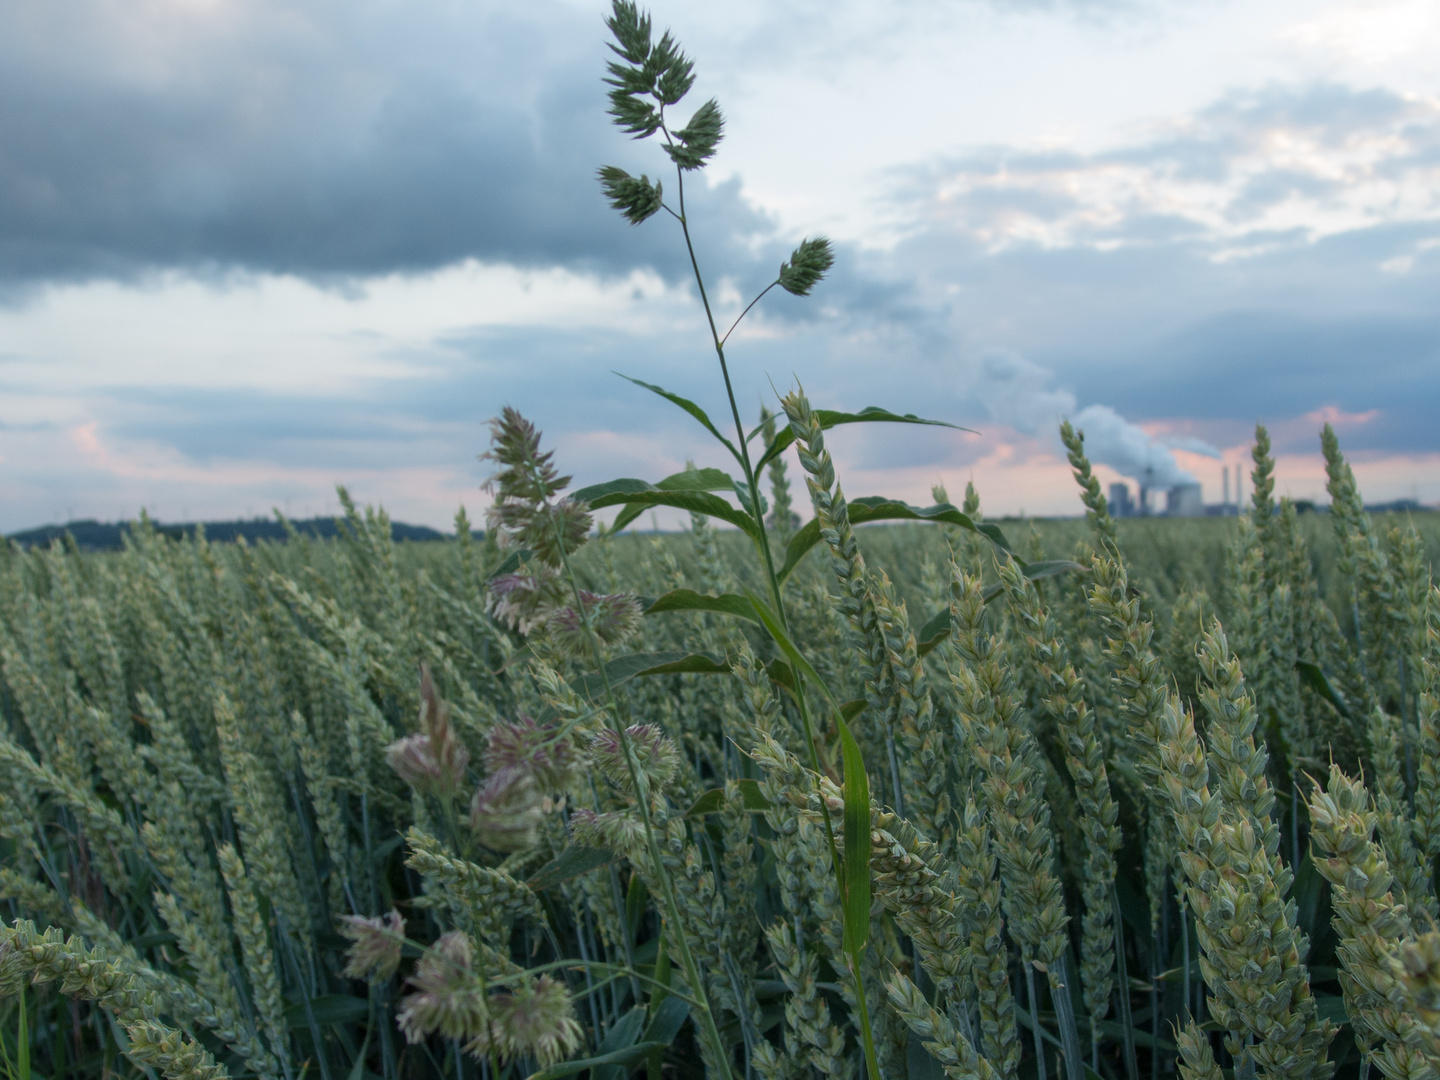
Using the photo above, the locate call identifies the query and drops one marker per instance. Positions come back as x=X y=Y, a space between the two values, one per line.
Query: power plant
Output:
x=1181 y=500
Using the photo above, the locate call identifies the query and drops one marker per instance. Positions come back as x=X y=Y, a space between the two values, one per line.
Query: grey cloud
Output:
x=1229 y=146
x=346 y=139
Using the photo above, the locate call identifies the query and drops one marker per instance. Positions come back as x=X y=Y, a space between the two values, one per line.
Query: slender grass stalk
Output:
x=709 y=1032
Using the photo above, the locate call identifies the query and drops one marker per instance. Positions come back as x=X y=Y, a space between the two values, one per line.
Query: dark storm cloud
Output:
x=335 y=140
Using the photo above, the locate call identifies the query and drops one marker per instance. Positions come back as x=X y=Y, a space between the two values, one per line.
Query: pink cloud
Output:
x=1337 y=417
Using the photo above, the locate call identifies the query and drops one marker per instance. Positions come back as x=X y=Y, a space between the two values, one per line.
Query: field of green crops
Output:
x=351 y=809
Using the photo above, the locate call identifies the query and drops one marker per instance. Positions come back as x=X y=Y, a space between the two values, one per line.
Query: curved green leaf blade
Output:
x=570 y=863
x=637 y=665
x=856 y=791
x=624 y=1056
x=624 y=518
x=1048 y=568
x=512 y=563
x=871 y=414
x=639 y=493
x=771 y=622
x=690 y=407
x=697 y=480
x=878 y=508
x=935 y=630
x=712 y=802
x=612 y=487
x=1313 y=676
x=690 y=600
x=689 y=480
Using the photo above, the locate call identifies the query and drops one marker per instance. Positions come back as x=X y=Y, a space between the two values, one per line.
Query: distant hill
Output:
x=106 y=536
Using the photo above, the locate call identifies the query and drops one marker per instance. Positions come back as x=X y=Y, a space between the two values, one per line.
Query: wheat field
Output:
x=322 y=808
x=778 y=797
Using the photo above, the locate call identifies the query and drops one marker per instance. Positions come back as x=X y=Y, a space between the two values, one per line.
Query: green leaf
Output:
x=938 y=627
x=690 y=407
x=689 y=600
x=570 y=863
x=697 y=480
x=856 y=791
x=878 y=508
x=512 y=563
x=328 y=1009
x=689 y=480
x=623 y=1056
x=780 y=674
x=1314 y=677
x=609 y=488
x=622 y=1035
x=1048 y=568
x=639 y=493
x=871 y=414
x=712 y=802
x=750 y=795
x=933 y=632
x=689 y=664
x=771 y=622
x=637 y=665
x=669 y=1018
x=852 y=709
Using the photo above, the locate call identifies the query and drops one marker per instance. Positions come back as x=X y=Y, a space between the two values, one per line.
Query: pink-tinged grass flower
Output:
x=655 y=755
x=524 y=484
x=506 y=810
x=434 y=760
x=536 y=1018
x=620 y=830
x=449 y=997
x=523 y=744
x=524 y=602
x=375 y=944
x=611 y=619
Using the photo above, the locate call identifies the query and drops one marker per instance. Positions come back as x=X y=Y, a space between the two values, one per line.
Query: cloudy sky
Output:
x=249 y=250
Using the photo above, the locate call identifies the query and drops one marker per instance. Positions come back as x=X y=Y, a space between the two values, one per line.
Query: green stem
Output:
x=1122 y=980
x=709 y=1031
x=776 y=593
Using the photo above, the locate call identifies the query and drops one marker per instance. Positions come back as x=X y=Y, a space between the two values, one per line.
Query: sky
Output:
x=252 y=250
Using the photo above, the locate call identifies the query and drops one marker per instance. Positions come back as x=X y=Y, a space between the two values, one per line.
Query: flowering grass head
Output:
x=523 y=744
x=654 y=754
x=375 y=945
x=432 y=761
x=448 y=998
x=506 y=810
x=536 y=1018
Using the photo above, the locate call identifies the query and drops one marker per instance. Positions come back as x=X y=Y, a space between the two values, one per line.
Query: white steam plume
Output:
x=1017 y=392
